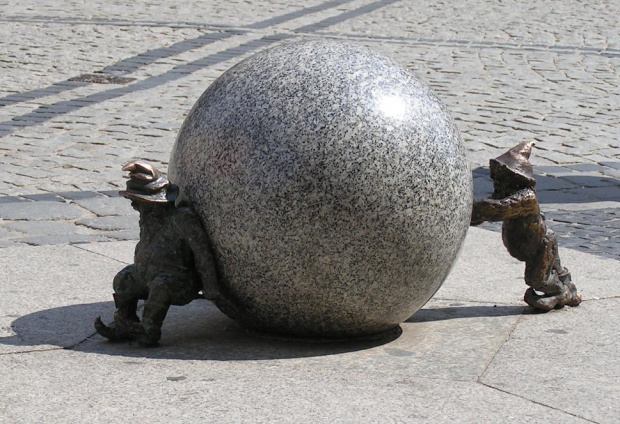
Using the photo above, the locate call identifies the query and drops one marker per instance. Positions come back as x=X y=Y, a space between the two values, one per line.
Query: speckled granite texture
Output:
x=333 y=183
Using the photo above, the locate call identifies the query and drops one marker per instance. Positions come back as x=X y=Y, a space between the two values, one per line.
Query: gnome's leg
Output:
x=155 y=310
x=544 y=273
x=127 y=292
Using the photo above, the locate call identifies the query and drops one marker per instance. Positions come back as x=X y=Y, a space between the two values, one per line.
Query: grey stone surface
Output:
x=333 y=184
x=506 y=82
x=108 y=206
x=51 y=295
x=485 y=272
x=263 y=391
x=430 y=373
x=542 y=70
x=121 y=251
x=582 y=378
x=43 y=240
x=40 y=211
x=37 y=228
x=110 y=223
x=132 y=234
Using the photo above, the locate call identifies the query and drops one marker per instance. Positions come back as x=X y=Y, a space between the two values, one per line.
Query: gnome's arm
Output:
x=196 y=238
x=520 y=205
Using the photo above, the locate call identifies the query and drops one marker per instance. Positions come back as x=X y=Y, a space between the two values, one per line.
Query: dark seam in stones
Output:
x=585 y=51
x=134 y=63
x=346 y=16
x=142 y=59
x=47 y=112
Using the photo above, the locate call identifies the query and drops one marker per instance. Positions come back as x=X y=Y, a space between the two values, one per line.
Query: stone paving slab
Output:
x=501 y=85
x=46 y=281
x=430 y=372
x=546 y=72
x=39 y=211
x=485 y=272
x=103 y=389
x=579 y=371
x=121 y=251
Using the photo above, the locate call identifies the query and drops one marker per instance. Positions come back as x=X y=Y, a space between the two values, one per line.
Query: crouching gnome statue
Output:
x=171 y=265
x=524 y=231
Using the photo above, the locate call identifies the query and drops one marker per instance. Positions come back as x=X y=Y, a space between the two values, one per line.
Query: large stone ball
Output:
x=333 y=184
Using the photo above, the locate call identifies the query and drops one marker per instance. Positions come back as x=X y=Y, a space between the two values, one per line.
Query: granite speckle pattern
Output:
x=334 y=186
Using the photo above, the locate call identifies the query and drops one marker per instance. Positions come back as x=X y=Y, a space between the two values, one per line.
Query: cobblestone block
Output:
x=131 y=234
x=551 y=183
x=62 y=239
x=610 y=193
x=39 y=228
x=556 y=171
x=6 y=243
x=107 y=206
x=565 y=196
x=40 y=211
x=591 y=181
x=11 y=199
x=614 y=165
x=78 y=195
x=44 y=197
x=585 y=167
x=110 y=223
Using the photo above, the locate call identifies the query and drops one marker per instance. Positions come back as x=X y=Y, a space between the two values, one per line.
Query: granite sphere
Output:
x=333 y=184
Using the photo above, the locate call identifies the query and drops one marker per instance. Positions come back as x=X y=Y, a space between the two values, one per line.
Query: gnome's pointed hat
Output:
x=514 y=164
x=147 y=184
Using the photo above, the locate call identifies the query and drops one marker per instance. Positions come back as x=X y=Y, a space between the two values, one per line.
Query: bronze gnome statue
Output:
x=171 y=265
x=524 y=230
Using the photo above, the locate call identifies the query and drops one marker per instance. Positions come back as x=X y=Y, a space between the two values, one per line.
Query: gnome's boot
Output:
x=558 y=290
x=126 y=321
x=126 y=307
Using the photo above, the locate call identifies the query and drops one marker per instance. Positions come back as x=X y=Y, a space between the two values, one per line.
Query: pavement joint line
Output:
x=117 y=22
x=368 y=8
x=596 y=299
x=78 y=246
x=165 y=52
x=536 y=402
x=47 y=112
x=506 y=338
x=481 y=302
x=50 y=349
x=67 y=106
x=474 y=44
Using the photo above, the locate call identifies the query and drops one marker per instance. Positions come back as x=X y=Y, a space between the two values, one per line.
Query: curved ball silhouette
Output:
x=333 y=184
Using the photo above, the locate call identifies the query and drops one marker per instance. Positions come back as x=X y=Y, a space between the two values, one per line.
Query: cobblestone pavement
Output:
x=508 y=70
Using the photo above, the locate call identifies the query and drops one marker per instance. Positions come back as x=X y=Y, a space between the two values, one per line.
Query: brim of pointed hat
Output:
x=501 y=165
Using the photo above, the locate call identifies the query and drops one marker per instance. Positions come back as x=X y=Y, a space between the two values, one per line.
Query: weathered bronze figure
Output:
x=524 y=231
x=171 y=264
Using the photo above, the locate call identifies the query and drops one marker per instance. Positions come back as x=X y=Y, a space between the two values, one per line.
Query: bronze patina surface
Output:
x=173 y=264
x=525 y=233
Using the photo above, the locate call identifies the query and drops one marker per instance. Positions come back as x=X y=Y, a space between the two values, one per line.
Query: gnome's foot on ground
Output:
x=111 y=332
x=122 y=330
x=547 y=302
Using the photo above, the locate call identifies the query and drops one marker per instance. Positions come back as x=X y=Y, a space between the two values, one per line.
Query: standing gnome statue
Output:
x=524 y=231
